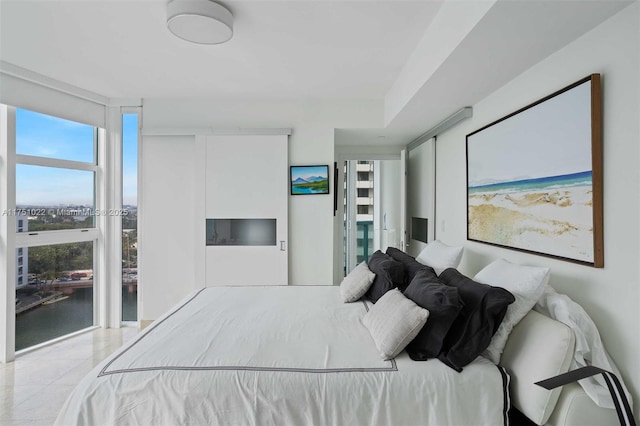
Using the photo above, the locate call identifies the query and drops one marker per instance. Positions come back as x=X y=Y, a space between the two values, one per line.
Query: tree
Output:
x=57 y=258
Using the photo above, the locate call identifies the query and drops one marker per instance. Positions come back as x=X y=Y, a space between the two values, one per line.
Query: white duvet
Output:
x=277 y=356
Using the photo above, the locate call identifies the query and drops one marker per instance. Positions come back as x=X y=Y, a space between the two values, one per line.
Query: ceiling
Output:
x=512 y=37
x=280 y=49
x=294 y=50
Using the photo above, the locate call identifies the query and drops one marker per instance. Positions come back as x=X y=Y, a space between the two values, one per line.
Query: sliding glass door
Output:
x=359 y=201
x=374 y=208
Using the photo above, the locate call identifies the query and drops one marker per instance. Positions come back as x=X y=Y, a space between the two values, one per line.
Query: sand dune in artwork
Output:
x=557 y=222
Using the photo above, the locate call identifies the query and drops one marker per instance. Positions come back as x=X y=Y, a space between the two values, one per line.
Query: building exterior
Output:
x=364 y=191
x=364 y=207
x=22 y=254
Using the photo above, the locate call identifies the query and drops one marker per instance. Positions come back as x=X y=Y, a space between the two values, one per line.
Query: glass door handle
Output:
x=282 y=245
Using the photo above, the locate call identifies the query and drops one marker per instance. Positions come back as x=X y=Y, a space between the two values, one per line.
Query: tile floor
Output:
x=33 y=388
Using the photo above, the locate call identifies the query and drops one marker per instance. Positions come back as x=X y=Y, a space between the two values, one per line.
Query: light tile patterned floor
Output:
x=33 y=388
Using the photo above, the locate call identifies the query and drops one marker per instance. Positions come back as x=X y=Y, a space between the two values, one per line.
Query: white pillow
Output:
x=537 y=348
x=440 y=256
x=526 y=283
x=393 y=322
x=356 y=284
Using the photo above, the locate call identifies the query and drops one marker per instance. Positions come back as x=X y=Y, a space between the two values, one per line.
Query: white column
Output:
x=108 y=254
x=7 y=233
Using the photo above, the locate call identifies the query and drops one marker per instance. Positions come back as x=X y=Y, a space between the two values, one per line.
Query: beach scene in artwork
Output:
x=550 y=215
x=530 y=183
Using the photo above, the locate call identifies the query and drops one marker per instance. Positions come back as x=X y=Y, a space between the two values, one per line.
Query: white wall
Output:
x=420 y=190
x=167 y=226
x=310 y=217
x=610 y=295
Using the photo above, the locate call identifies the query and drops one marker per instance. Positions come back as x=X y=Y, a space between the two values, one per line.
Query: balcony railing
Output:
x=364 y=242
x=364 y=236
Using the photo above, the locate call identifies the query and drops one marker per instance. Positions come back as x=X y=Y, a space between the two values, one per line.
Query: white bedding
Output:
x=277 y=356
x=589 y=346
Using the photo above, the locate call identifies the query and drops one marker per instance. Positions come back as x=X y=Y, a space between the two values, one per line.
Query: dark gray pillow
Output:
x=389 y=274
x=443 y=304
x=411 y=265
x=484 y=308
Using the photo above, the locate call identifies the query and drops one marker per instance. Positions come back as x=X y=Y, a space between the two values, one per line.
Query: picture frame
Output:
x=309 y=180
x=534 y=177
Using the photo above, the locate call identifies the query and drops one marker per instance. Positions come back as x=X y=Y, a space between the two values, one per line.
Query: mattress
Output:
x=277 y=356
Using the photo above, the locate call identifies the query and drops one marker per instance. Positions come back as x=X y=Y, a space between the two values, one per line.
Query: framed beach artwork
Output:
x=307 y=180
x=534 y=177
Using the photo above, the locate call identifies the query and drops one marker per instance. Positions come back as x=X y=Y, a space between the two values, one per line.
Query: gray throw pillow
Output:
x=356 y=283
x=393 y=322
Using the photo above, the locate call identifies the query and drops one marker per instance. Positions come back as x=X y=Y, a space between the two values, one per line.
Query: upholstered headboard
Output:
x=538 y=348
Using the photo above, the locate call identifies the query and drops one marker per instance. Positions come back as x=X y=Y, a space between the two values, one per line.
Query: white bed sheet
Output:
x=590 y=349
x=277 y=356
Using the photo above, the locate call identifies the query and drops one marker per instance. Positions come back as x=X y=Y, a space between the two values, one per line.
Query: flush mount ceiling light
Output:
x=199 y=21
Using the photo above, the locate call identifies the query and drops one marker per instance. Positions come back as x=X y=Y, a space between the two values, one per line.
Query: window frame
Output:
x=120 y=199
x=35 y=92
x=39 y=238
x=54 y=237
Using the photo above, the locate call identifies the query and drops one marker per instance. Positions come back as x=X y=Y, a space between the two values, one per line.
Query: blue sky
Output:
x=550 y=139
x=130 y=159
x=306 y=172
x=46 y=136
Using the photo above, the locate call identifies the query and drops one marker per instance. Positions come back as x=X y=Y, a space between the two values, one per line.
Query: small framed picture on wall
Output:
x=308 y=180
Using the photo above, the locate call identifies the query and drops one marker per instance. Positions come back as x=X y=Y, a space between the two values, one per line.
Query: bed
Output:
x=278 y=356
x=401 y=341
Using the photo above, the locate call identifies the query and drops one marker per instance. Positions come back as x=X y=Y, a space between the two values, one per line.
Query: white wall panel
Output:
x=421 y=189
x=611 y=295
x=171 y=247
x=247 y=178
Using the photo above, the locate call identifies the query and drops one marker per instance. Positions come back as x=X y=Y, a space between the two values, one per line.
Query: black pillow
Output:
x=483 y=310
x=389 y=274
x=443 y=304
x=411 y=265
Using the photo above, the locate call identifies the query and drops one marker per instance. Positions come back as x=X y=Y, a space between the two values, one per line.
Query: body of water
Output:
x=298 y=190
x=129 y=304
x=544 y=183
x=47 y=322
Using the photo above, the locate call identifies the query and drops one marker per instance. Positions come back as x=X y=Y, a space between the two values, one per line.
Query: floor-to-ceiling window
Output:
x=68 y=185
x=55 y=213
x=130 y=134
